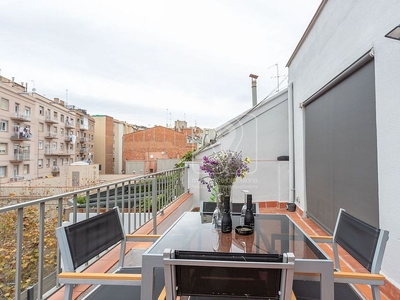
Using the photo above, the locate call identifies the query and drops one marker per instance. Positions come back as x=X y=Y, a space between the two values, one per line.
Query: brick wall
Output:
x=157 y=140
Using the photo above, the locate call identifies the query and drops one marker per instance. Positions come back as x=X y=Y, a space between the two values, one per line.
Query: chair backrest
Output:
x=236 y=275
x=84 y=240
x=363 y=241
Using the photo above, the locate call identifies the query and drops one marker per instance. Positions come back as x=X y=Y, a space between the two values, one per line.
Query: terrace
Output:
x=151 y=204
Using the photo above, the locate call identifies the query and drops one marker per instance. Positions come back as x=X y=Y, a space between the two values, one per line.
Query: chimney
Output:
x=254 y=88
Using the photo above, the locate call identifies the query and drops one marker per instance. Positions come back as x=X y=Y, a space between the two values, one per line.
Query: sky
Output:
x=156 y=61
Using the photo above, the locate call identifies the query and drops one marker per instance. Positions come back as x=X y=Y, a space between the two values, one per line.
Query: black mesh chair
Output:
x=84 y=241
x=363 y=242
x=220 y=275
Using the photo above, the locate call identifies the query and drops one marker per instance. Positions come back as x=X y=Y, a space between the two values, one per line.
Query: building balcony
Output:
x=21 y=118
x=83 y=127
x=20 y=136
x=50 y=135
x=51 y=120
x=59 y=152
x=83 y=150
x=69 y=125
x=18 y=158
x=83 y=139
x=67 y=139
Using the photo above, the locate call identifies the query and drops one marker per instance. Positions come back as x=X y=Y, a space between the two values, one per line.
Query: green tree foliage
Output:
x=30 y=250
x=187 y=157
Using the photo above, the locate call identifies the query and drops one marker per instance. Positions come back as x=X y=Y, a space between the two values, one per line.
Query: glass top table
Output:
x=273 y=233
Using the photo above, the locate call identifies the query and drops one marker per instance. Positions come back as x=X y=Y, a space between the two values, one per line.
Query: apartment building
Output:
x=85 y=131
x=104 y=143
x=38 y=136
x=108 y=143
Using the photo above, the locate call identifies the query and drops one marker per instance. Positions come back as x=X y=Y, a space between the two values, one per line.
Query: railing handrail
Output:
x=84 y=190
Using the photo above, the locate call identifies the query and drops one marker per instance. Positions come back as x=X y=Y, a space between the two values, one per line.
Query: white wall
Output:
x=343 y=32
x=262 y=135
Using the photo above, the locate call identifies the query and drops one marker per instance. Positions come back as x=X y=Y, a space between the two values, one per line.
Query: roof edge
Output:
x=306 y=32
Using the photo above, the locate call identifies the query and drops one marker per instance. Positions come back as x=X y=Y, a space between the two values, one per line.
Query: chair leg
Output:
x=376 y=295
x=68 y=291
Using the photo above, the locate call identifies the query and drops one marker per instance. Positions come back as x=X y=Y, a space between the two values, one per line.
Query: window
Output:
x=61 y=146
x=40 y=163
x=26 y=170
x=62 y=131
x=41 y=110
x=55 y=146
x=55 y=115
x=40 y=145
x=3 y=148
x=4 y=104
x=54 y=162
x=41 y=127
x=47 y=163
x=3 y=171
x=3 y=125
x=62 y=118
x=27 y=111
x=55 y=130
x=16 y=109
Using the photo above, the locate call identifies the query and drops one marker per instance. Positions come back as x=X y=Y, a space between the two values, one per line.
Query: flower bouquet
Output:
x=223 y=168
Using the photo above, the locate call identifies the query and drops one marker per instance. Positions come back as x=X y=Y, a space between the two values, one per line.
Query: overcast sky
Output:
x=152 y=62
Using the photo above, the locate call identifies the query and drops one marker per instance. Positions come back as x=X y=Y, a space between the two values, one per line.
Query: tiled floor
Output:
x=388 y=292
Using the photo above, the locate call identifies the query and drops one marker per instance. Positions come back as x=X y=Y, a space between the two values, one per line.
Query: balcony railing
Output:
x=29 y=250
x=21 y=117
x=20 y=136
x=20 y=157
x=50 y=135
x=51 y=120
x=84 y=127
x=69 y=124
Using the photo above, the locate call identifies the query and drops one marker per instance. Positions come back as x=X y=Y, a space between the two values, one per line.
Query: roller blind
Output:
x=341 y=148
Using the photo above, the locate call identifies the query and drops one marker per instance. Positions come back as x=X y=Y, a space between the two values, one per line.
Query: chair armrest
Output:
x=362 y=278
x=293 y=297
x=322 y=238
x=142 y=237
x=100 y=278
x=163 y=294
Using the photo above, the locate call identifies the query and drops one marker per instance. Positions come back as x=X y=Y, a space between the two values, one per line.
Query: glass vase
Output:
x=217 y=214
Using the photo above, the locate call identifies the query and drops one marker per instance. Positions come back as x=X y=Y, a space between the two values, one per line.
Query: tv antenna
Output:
x=277 y=76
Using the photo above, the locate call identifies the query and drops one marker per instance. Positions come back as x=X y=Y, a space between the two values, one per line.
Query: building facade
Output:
x=157 y=143
x=36 y=133
x=85 y=132
x=104 y=142
x=344 y=100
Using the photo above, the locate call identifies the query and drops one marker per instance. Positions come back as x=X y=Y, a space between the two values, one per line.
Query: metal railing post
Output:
x=154 y=204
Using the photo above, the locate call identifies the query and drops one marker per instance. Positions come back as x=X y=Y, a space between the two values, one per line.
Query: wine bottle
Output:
x=226 y=223
x=249 y=216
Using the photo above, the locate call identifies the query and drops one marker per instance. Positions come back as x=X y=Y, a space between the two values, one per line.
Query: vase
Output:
x=224 y=190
